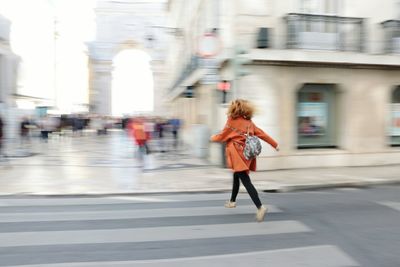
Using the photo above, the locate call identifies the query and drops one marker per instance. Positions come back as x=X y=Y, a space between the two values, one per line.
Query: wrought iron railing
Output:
x=392 y=36
x=190 y=66
x=325 y=32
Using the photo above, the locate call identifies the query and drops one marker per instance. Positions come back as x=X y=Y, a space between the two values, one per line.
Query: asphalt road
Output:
x=340 y=227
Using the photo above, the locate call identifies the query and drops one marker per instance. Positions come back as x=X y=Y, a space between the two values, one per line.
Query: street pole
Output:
x=55 y=63
x=234 y=38
x=224 y=97
x=238 y=70
x=235 y=86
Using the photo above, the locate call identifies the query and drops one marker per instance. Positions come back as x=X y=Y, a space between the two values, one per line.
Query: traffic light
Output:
x=224 y=86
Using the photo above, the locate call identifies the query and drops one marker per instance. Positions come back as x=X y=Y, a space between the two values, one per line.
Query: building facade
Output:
x=324 y=75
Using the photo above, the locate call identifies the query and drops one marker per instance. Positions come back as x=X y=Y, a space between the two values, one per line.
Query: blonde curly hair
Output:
x=241 y=108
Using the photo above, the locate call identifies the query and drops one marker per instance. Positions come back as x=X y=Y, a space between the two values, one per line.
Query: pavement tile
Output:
x=83 y=165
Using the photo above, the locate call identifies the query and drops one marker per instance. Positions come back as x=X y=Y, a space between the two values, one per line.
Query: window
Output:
x=398 y=9
x=320 y=7
x=316 y=116
x=395 y=117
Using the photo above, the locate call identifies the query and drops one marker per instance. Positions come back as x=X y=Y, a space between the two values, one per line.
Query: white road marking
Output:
x=393 y=205
x=313 y=256
x=150 y=234
x=129 y=214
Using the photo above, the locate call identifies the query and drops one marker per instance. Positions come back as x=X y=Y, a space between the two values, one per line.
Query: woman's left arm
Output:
x=262 y=135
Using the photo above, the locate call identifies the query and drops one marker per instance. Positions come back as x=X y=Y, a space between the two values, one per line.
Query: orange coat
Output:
x=235 y=143
x=137 y=131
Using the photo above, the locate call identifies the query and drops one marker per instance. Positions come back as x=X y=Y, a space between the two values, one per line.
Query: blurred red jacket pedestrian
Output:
x=137 y=132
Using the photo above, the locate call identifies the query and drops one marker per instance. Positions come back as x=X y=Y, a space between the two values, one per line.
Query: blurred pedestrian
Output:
x=124 y=122
x=237 y=127
x=149 y=130
x=78 y=124
x=24 y=129
x=138 y=133
x=2 y=149
x=1 y=136
x=175 y=126
x=47 y=126
x=96 y=124
x=160 y=129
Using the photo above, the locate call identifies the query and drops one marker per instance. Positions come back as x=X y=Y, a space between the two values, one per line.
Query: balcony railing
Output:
x=190 y=67
x=392 y=36
x=325 y=32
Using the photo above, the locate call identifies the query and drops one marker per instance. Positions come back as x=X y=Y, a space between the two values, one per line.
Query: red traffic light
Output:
x=224 y=86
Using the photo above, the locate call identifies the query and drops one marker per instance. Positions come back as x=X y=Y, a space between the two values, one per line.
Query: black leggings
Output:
x=245 y=178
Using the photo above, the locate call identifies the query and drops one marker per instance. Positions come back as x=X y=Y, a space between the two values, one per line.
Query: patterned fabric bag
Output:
x=252 y=146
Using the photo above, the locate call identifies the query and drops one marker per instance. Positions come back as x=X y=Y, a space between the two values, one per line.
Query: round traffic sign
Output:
x=208 y=45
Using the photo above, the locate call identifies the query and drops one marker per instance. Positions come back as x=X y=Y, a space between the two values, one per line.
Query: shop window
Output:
x=316 y=116
x=395 y=118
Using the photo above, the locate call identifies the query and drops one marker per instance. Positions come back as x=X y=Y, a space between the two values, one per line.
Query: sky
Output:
x=48 y=62
x=34 y=23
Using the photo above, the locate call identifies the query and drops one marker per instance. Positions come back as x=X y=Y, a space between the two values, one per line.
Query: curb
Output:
x=352 y=184
x=276 y=189
x=111 y=194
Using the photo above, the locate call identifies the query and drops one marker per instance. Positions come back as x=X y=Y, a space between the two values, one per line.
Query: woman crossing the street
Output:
x=238 y=128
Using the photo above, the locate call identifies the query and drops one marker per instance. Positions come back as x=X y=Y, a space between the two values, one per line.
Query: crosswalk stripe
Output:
x=393 y=205
x=128 y=214
x=76 y=201
x=311 y=256
x=151 y=234
x=192 y=197
x=5 y=202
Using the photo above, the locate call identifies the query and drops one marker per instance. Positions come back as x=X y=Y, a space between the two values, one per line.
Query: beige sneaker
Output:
x=229 y=204
x=261 y=212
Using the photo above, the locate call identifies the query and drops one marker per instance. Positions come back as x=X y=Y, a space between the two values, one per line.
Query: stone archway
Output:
x=125 y=24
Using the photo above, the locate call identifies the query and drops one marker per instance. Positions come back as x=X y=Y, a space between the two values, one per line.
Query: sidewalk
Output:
x=105 y=165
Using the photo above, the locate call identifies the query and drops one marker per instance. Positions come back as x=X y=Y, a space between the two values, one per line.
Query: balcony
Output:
x=392 y=36
x=324 y=32
x=189 y=68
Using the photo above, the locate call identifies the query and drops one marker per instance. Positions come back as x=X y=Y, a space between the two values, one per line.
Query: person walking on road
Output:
x=140 y=136
x=1 y=135
x=237 y=127
x=3 y=156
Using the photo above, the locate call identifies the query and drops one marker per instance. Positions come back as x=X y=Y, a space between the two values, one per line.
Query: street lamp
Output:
x=55 y=35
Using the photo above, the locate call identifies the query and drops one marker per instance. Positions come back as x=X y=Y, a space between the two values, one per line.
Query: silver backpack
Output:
x=252 y=146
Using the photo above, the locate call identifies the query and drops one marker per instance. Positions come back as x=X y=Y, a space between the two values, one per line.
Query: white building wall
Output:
x=364 y=81
x=364 y=98
x=253 y=14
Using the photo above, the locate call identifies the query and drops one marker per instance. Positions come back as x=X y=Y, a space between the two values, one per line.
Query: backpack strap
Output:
x=236 y=130
x=240 y=132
